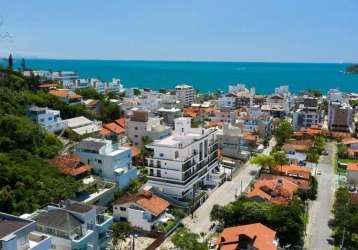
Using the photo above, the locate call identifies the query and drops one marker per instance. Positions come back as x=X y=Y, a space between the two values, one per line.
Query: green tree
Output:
x=267 y=162
x=23 y=64
x=10 y=62
x=280 y=158
x=120 y=232
x=312 y=156
x=185 y=240
x=283 y=132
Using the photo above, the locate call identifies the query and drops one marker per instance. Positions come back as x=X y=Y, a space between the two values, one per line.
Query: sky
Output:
x=221 y=30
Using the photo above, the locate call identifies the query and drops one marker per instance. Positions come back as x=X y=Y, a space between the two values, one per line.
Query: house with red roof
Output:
x=143 y=210
x=251 y=236
x=352 y=173
x=71 y=165
x=276 y=190
x=352 y=146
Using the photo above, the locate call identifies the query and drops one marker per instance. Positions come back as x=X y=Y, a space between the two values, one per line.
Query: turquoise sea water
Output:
x=210 y=76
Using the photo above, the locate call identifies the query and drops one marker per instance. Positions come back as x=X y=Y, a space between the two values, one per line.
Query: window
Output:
x=99 y=161
x=176 y=154
x=136 y=136
x=136 y=128
x=123 y=209
x=161 y=154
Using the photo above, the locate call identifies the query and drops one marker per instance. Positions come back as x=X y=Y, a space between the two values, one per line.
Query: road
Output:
x=222 y=196
x=318 y=234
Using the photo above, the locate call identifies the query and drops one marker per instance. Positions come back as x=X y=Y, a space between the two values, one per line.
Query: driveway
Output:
x=222 y=196
x=318 y=234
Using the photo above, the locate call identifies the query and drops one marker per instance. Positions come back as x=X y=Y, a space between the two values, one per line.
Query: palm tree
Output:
x=280 y=158
x=265 y=161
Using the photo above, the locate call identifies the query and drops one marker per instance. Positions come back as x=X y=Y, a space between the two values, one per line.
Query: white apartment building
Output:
x=169 y=115
x=140 y=125
x=185 y=94
x=110 y=161
x=17 y=233
x=73 y=225
x=66 y=78
x=183 y=162
x=47 y=118
x=227 y=102
x=83 y=126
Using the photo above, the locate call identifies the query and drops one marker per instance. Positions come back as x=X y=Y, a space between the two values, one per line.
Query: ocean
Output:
x=210 y=76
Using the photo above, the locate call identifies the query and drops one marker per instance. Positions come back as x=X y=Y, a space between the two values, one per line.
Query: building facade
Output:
x=185 y=94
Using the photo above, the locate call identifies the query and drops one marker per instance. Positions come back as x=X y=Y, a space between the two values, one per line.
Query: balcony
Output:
x=39 y=241
x=103 y=222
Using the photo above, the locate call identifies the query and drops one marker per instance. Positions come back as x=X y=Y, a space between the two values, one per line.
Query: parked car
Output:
x=324 y=152
x=352 y=188
x=302 y=163
x=319 y=172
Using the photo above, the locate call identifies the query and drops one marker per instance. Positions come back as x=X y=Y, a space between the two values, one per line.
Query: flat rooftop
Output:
x=10 y=224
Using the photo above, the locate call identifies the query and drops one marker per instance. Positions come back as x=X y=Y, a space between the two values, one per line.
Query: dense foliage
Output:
x=287 y=221
x=283 y=132
x=27 y=179
x=345 y=222
x=352 y=69
x=183 y=239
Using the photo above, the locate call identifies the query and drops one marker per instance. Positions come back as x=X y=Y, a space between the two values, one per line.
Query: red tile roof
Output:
x=70 y=165
x=294 y=170
x=64 y=93
x=276 y=190
x=262 y=237
x=121 y=122
x=352 y=167
x=350 y=140
x=298 y=145
x=114 y=128
x=104 y=132
x=146 y=200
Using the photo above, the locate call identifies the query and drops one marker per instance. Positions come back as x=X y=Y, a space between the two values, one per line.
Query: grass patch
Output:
x=348 y=160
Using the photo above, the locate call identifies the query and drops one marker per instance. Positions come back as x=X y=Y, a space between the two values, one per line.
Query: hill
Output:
x=353 y=69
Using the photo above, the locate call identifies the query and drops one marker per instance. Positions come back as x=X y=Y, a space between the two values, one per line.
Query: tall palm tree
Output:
x=264 y=161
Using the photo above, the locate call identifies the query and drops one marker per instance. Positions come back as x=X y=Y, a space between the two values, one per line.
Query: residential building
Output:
x=17 y=233
x=295 y=171
x=169 y=115
x=256 y=122
x=340 y=117
x=74 y=225
x=236 y=144
x=308 y=114
x=252 y=236
x=67 y=96
x=227 y=102
x=169 y=101
x=66 y=78
x=352 y=173
x=47 y=118
x=225 y=116
x=110 y=161
x=185 y=94
x=296 y=150
x=83 y=126
x=184 y=162
x=352 y=147
x=141 y=126
x=71 y=165
x=143 y=210
x=275 y=190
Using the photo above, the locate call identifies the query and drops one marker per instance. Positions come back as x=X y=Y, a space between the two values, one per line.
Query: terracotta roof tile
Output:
x=146 y=200
x=104 y=132
x=64 y=93
x=70 y=165
x=114 y=127
x=352 y=167
x=135 y=150
x=294 y=170
x=350 y=140
x=263 y=237
x=121 y=122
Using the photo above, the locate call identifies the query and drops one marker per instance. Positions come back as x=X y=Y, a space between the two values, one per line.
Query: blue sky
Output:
x=229 y=30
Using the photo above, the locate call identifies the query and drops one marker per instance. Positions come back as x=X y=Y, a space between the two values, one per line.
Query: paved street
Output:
x=223 y=195
x=318 y=232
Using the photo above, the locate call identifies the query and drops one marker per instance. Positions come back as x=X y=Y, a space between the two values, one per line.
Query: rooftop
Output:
x=352 y=167
x=262 y=237
x=146 y=200
x=10 y=224
x=64 y=93
x=70 y=165
x=58 y=219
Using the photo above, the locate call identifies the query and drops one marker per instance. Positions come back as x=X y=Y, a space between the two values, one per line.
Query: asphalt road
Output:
x=222 y=196
x=318 y=234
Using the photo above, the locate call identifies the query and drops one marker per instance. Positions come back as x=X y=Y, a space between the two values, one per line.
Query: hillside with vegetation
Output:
x=27 y=179
x=352 y=69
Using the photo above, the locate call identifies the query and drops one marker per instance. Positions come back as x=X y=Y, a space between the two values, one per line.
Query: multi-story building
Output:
x=257 y=123
x=110 y=161
x=185 y=94
x=17 y=233
x=183 y=162
x=236 y=144
x=224 y=116
x=83 y=126
x=307 y=114
x=140 y=126
x=340 y=113
x=66 y=78
x=74 y=225
x=169 y=115
x=47 y=118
